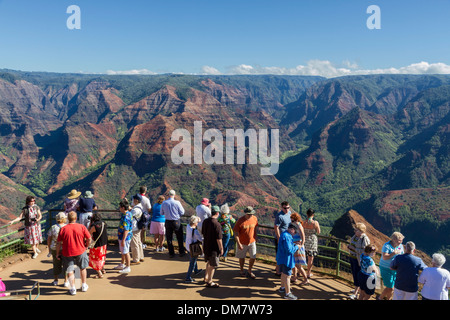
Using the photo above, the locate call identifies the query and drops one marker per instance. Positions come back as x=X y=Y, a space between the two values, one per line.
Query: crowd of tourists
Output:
x=209 y=236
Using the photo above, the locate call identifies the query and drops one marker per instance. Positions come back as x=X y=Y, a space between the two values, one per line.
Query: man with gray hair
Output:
x=173 y=210
x=435 y=280
x=407 y=266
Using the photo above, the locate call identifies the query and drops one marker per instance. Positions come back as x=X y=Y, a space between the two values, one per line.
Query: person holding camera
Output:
x=31 y=214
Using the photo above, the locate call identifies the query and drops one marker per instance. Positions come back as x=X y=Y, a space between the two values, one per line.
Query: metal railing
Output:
x=333 y=258
x=26 y=294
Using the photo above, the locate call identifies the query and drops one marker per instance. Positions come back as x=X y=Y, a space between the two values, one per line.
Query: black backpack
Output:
x=143 y=222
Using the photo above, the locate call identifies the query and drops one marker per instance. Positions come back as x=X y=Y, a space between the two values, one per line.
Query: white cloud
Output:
x=327 y=69
x=210 y=70
x=322 y=68
x=130 y=72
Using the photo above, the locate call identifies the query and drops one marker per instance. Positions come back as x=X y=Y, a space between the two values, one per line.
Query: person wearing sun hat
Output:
x=203 y=211
x=71 y=202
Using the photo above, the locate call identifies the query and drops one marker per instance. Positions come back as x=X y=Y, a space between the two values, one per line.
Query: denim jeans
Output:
x=192 y=267
x=226 y=241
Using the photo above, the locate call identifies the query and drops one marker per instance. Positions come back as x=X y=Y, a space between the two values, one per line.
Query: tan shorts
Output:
x=251 y=249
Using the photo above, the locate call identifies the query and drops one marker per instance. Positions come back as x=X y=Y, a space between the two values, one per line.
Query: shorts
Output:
x=125 y=249
x=213 y=259
x=157 y=228
x=251 y=249
x=82 y=261
x=404 y=295
x=367 y=283
x=311 y=253
x=285 y=270
x=388 y=277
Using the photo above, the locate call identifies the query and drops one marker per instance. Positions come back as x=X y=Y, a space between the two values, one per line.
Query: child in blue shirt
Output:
x=367 y=274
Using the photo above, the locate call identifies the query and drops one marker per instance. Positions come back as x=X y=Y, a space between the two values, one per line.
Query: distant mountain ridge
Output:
x=345 y=143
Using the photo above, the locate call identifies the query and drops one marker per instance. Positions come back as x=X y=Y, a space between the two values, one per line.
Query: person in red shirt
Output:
x=73 y=239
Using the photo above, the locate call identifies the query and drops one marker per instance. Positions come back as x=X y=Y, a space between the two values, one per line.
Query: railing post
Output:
x=338 y=258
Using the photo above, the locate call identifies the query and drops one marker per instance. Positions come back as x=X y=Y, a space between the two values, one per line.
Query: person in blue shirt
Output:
x=157 y=227
x=285 y=259
x=367 y=275
x=282 y=220
x=173 y=210
x=407 y=266
x=124 y=235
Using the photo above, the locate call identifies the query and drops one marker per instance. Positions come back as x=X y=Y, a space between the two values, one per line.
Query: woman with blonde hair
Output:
x=157 y=224
x=389 y=251
x=356 y=247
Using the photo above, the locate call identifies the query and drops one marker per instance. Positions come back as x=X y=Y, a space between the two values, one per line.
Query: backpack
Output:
x=144 y=220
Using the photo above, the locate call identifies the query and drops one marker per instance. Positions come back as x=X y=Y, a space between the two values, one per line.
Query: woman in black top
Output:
x=97 y=253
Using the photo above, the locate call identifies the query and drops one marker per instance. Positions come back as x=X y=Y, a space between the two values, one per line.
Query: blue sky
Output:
x=319 y=37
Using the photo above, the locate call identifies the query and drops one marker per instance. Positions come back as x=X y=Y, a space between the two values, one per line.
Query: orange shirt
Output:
x=245 y=229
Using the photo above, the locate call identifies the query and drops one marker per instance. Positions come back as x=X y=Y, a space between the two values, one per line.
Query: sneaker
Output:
x=35 y=255
x=162 y=249
x=73 y=291
x=84 y=287
x=55 y=283
x=125 y=270
x=190 y=280
x=290 y=296
x=281 y=289
x=67 y=284
x=352 y=296
x=158 y=249
x=119 y=267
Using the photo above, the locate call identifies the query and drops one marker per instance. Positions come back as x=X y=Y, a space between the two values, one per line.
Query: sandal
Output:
x=212 y=285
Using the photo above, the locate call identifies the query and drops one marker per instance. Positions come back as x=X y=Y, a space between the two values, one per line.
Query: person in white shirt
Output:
x=137 y=252
x=146 y=206
x=203 y=211
x=435 y=280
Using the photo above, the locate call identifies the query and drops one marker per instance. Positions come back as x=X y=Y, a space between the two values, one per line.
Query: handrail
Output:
x=336 y=250
x=15 y=294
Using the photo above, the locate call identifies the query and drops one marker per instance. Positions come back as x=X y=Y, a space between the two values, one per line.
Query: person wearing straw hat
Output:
x=71 y=202
x=86 y=205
